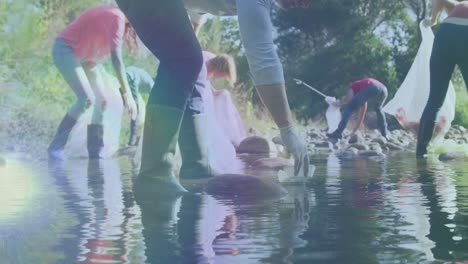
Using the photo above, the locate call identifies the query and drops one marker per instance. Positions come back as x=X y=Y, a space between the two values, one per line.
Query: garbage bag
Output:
x=410 y=100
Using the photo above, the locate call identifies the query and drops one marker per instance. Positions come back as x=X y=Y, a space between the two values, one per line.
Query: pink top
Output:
x=360 y=85
x=460 y=10
x=95 y=33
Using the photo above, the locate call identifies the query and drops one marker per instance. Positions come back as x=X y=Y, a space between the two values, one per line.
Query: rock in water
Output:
x=238 y=186
x=253 y=144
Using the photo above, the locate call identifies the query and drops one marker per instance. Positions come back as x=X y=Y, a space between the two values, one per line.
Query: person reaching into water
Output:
x=448 y=50
x=165 y=28
x=91 y=39
x=139 y=82
x=364 y=93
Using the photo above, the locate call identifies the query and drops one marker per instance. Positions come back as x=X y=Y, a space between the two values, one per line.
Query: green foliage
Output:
x=336 y=42
x=461 y=106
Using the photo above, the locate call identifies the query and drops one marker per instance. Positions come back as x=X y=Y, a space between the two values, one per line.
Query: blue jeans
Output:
x=86 y=82
x=164 y=27
x=375 y=96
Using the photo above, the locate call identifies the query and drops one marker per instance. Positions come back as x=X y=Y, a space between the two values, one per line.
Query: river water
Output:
x=391 y=210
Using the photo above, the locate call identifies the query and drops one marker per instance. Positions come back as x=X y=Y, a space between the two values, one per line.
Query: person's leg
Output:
x=165 y=29
x=75 y=76
x=441 y=69
x=353 y=105
x=95 y=131
x=378 y=104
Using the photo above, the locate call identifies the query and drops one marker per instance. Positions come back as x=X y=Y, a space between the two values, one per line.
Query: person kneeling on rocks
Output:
x=360 y=94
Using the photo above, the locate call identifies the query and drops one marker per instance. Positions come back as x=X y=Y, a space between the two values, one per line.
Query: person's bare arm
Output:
x=119 y=68
x=345 y=99
x=362 y=114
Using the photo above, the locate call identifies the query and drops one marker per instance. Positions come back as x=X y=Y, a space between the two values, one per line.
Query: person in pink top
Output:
x=94 y=37
x=358 y=95
x=449 y=49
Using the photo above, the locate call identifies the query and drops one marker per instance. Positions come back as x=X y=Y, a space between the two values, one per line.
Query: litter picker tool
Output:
x=310 y=87
x=333 y=114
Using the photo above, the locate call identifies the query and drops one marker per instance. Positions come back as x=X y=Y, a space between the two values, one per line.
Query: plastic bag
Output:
x=333 y=116
x=410 y=100
x=112 y=116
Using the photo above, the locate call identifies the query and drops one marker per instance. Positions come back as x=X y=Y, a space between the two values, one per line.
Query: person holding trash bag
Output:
x=360 y=94
x=165 y=28
x=448 y=50
x=92 y=38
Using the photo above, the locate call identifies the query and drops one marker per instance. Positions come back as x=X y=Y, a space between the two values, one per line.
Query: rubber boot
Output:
x=95 y=141
x=193 y=144
x=425 y=131
x=161 y=132
x=57 y=145
x=134 y=138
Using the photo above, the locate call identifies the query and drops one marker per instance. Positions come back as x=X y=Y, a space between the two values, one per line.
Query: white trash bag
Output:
x=410 y=100
x=76 y=146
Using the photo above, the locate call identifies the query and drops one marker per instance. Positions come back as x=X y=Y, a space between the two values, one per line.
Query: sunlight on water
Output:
x=17 y=189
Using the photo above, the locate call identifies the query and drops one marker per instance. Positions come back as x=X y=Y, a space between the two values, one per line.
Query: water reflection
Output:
x=397 y=209
x=107 y=228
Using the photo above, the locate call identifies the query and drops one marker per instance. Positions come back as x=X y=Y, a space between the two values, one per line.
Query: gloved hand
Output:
x=427 y=22
x=330 y=100
x=130 y=105
x=297 y=147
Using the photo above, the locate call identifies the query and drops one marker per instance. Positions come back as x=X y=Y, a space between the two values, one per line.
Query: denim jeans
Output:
x=86 y=82
x=165 y=28
x=375 y=96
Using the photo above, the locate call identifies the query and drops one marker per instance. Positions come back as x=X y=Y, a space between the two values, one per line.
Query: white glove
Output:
x=427 y=22
x=330 y=100
x=297 y=147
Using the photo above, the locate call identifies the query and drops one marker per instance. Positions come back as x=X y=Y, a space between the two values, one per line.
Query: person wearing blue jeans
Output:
x=362 y=94
x=165 y=28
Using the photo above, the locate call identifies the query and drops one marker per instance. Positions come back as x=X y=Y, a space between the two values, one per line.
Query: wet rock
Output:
x=271 y=163
x=376 y=147
x=380 y=140
x=244 y=186
x=253 y=144
x=350 y=153
x=316 y=134
x=393 y=146
x=447 y=156
x=356 y=138
x=277 y=140
x=359 y=146
x=324 y=145
x=370 y=153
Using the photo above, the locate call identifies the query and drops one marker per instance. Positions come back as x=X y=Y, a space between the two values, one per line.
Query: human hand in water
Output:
x=286 y=4
x=297 y=147
x=131 y=107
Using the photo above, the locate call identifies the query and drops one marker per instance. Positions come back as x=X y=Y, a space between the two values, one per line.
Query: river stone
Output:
x=380 y=140
x=356 y=138
x=359 y=146
x=369 y=153
x=244 y=186
x=350 y=153
x=271 y=163
x=393 y=146
x=277 y=140
x=447 y=156
x=253 y=144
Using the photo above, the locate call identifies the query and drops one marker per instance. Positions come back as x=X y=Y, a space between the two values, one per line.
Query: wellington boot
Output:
x=160 y=137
